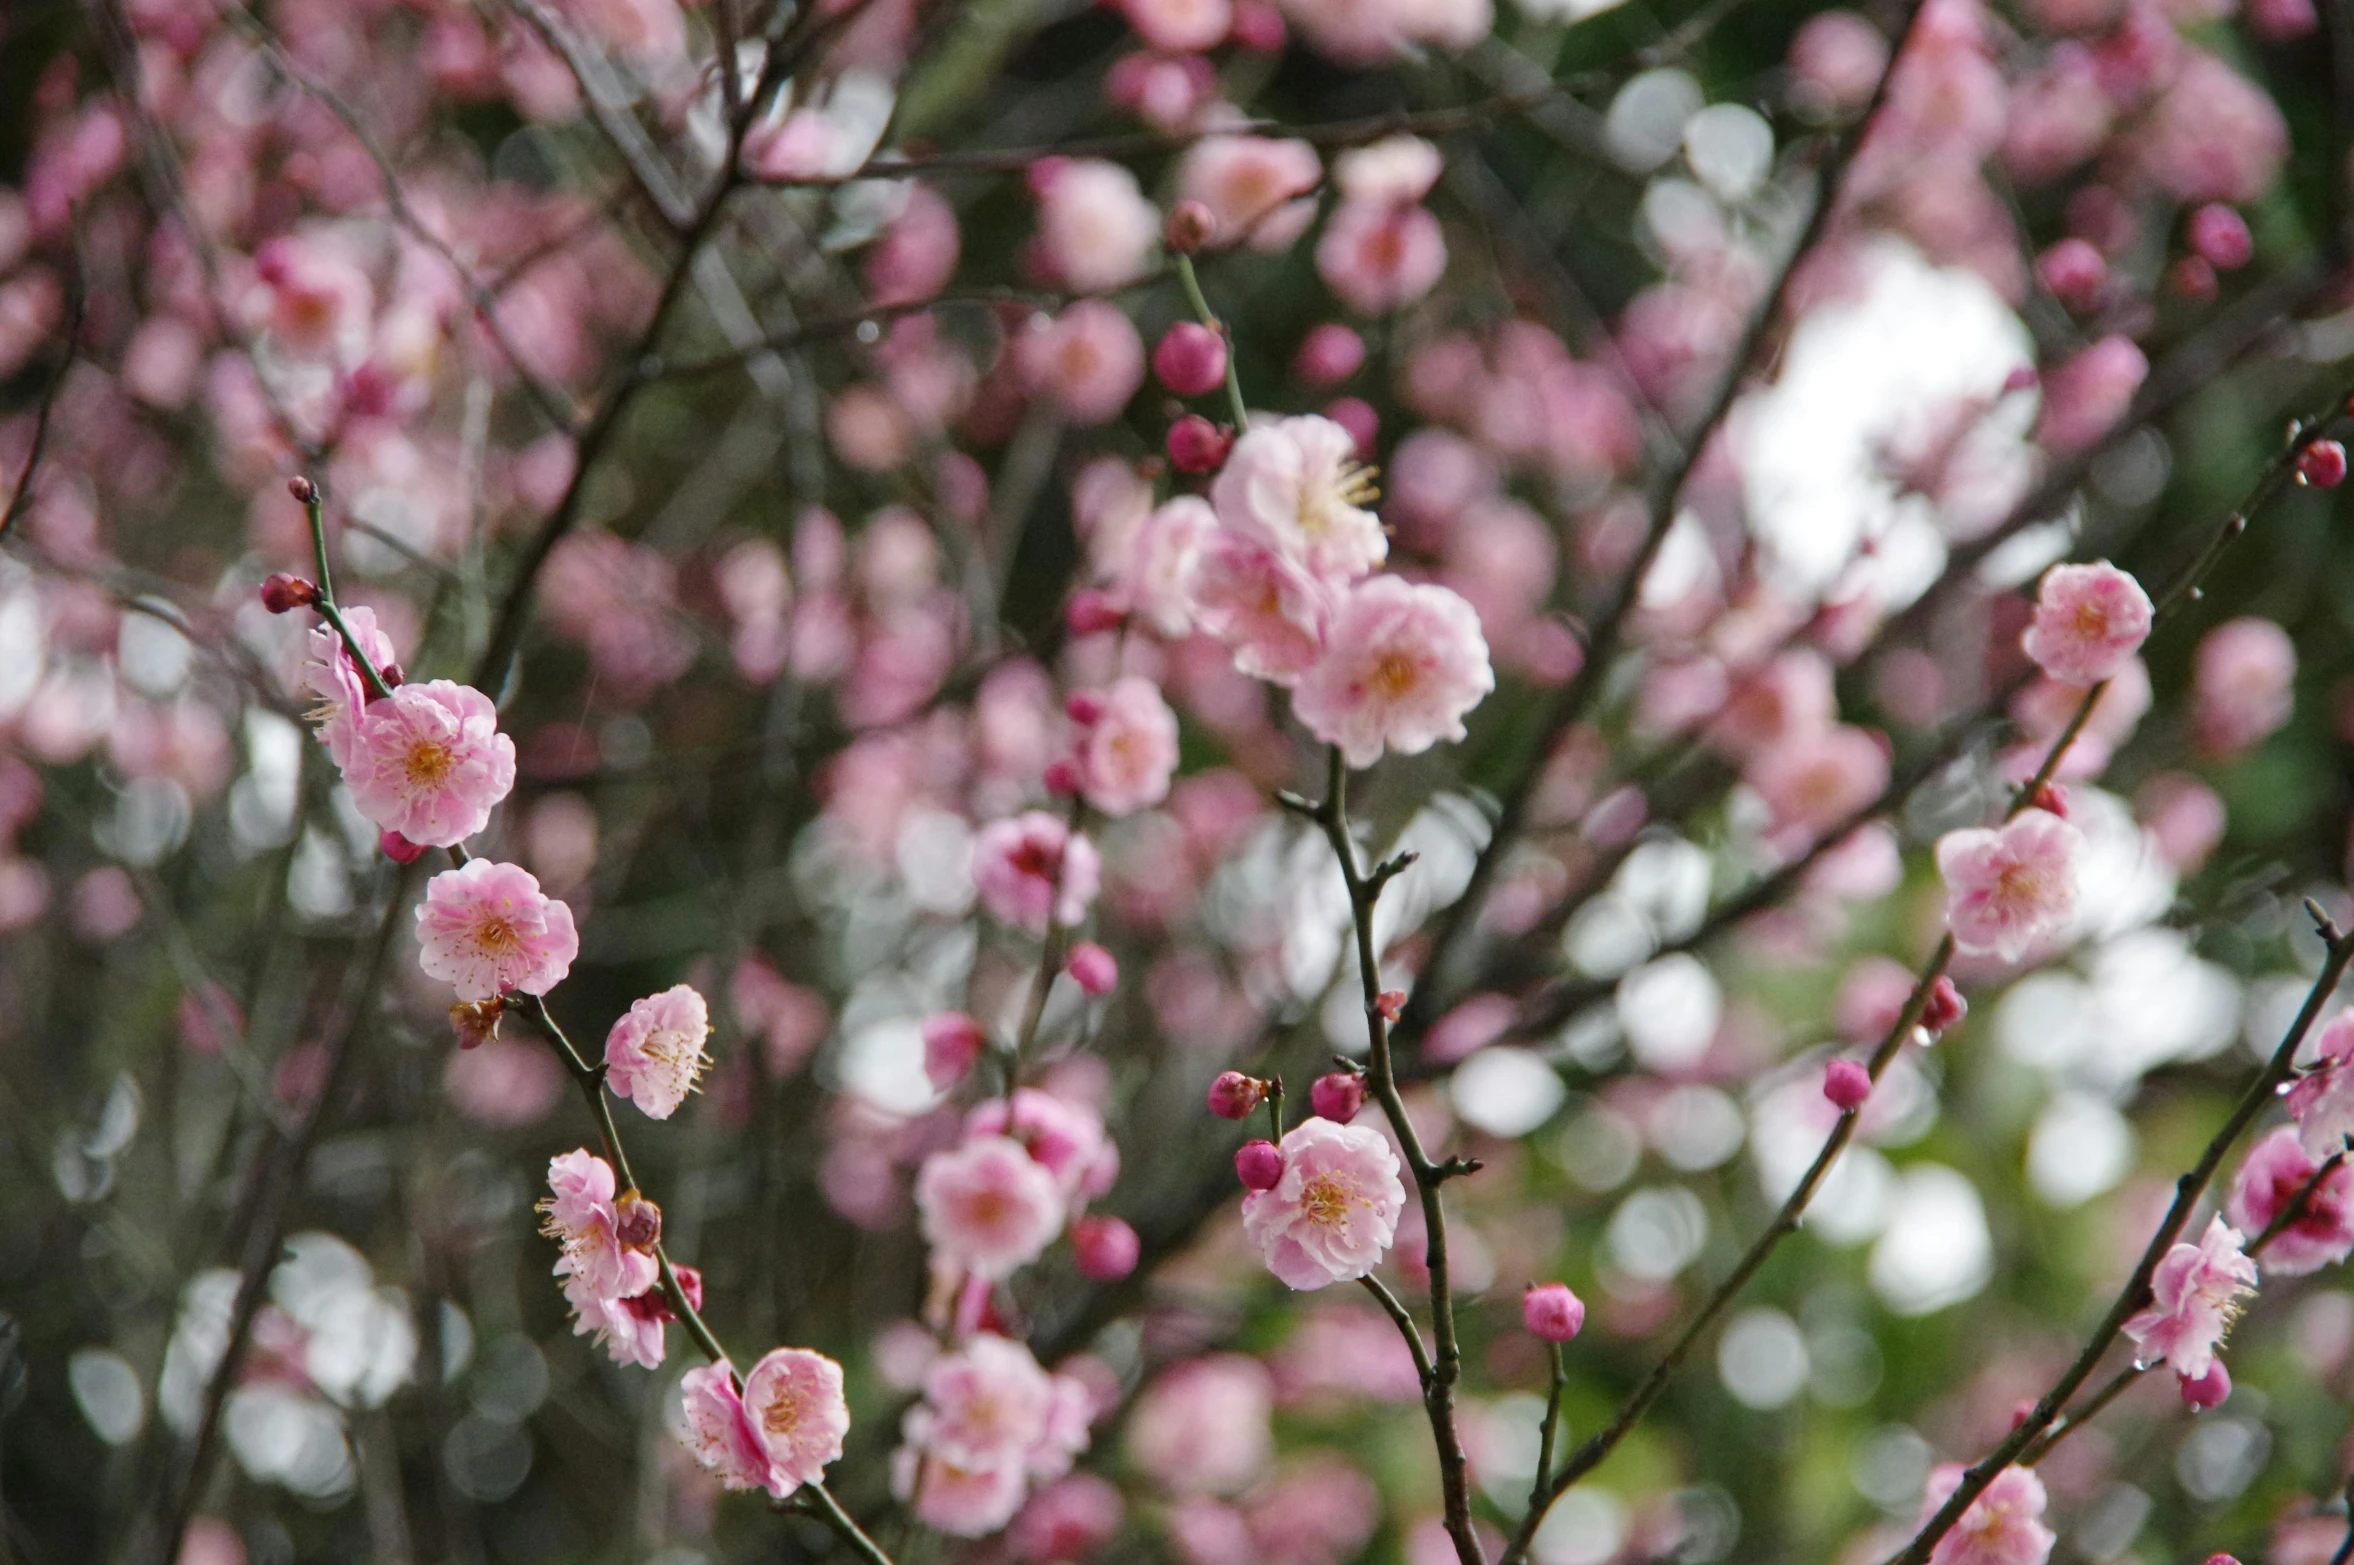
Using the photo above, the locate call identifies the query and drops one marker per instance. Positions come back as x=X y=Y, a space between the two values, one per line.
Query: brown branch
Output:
x=21 y=501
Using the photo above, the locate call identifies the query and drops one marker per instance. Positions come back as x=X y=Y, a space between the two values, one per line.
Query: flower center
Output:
x=494 y=935
x=1395 y=675
x=428 y=763
x=1350 y=486
x=1326 y=1200
x=2092 y=620
x=783 y=1414
x=2018 y=886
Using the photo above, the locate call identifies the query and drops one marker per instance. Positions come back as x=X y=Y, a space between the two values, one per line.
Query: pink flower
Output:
x=339 y=689
x=1402 y=664
x=1816 y=782
x=630 y=1330
x=2085 y=397
x=1106 y=1248
x=1066 y=1138
x=1335 y=1210
x=988 y=1206
x=793 y=1399
x=2195 y=1296
x=952 y=1043
x=2277 y=1170
x=2008 y=888
x=1095 y=227
x=1179 y=26
x=1376 y=257
x=1157 y=577
x=1268 y=609
x=1067 y=1521
x=1203 y=1427
x=991 y=1420
x=1131 y=750
x=2003 y=1525
x=1089 y=359
x=1552 y=1312
x=1295 y=486
x=2244 y=685
x=1032 y=867
x=720 y=1433
x=1394 y=171
x=654 y=1054
x=964 y=1502
x=2322 y=1100
x=2213 y=135
x=1254 y=188
x=487 y=928
x=430 y=763
x=582 y=1217
x=2088 y=620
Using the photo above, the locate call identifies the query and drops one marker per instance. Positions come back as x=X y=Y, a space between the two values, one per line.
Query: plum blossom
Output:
x=2003 y=1526
x=2322 y=1100
x=2277 y=1171
x=991 y=1422
x=1334 y=1212
x=1094 y=225
x=1032 y=868
x=988 y=1206
x=429 y=762
x=2089 y=619
x=1130 y=751
x=1063 y=1137
x=779 y=1432
x=2196 y=1293
x=630 y=1330
x=1270 y=611
x=1257 y=190
x=1377 y=258
x=2009 y=887
x=486 y=928
x=1401 y=666
x=1157 y=577
x=719 y=1431
x=1295 y=486
x=339 y=690
x=582 y=1217
x=1203 y=1426
x=655 y=1054
x=2243 y=683
x=1089 y=359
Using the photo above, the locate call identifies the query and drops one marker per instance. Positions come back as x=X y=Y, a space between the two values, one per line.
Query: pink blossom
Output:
x=1401 y=666
x=721 y=1434
x=2008 y=888
x=1394 y=171
x=655 y=1054
x=1294 y=485
x=1089 y=359
x=487 y=928
x=630 y=1330
x=583 y=1218
x=793 y=1399
x=2213 y=135
x=2243 y=684
x=1254 y=188
x=952 y=1044
x=990 y=1421
x=1064 y=1136
x=1180 y=26
x=1335 y=1210
x=1203 y=1427
x=1190 y=359
x=1837 y=59
x=1552 y=1312
x=430 y=762
x=1105 y=1248
x=1067 y=1521
x=1130 y=751
x=1157 y=576
x=1270 y=611
x=988 y=1206
x=2003 y=1526
x=1095 y=227
x=2085 y=397
x=1031 y=867
x=918 y=252
x=2277 y=1171
x=2088 y=620
x=340 y=691
x=2322 y=1100
x=2195 y=1296
x=1377 y=258
x=1094 y=969
x=964 y=1502
x=1815 y=783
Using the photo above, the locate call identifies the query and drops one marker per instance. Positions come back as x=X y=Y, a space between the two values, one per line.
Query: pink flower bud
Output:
x=1847 y=1084
x=400 y=849
x=2021 y=1411
x=1258 y=27
x=1551 y=1311
x=2074 y=272
x=2220 y=237
x=1091 y=613
x=282 y=594
x=2193 y=278
x=1328 y=355
x=1084 y=707
x=1338 y=1097
x=1198 y=446
x=952 y=1042
x=2221 y=1559
x=1259 y=1165
x=1063 y=779
x=1041 y=175
x=1356 y=415
x=2322 y=464
x=1092 y=968
x=1234 y=1095
x=2052 y=799
x=393 y=679
x=303 y=490
x=2209 y=1390
x=1105 y=1247
x=1191 y=225
x=1391 y=1004
x=1945 y=1007
x=1190 y=359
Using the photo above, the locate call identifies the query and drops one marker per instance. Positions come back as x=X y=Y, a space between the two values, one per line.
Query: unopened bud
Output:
x=400 y=849
x=1847 y=1084
x=2210 y=1390
x=1338 y=1096
x=952 y=1042
x=1084 y=707
x=1092 y=613
x=1198 y=446
x=302 y=489
x=637 y=1222
x=2052 y=799
x=1106 y=1248
x=1552 y=1312
x=1391 y=1004
x=1191 y=225
x=283 y=594
x=1259 y=1165
x=1093 y=968
x=476 y=1021
x=1944 y=1008
x=1062 y=778
x=1235 y=1096
x=2322 y=464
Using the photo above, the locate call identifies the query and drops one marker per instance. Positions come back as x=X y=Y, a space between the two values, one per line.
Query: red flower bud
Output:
x=1092 y=968
x=2209 y=1391
x=1847 y=1084
x=1091 y=613
x=2322 y=464
x=282 y=594
x=1191 y=225
x=400 y=849
x=1198 y=446
x=637 y=1221
x=1190 y=359
x=1945 y=1007
x=1337 y=1097
x=1234 y=1095
x=1259 y=1165
x=302 y=489
x=1084 y=707
x=1551 y=1311
x=1106 y=1248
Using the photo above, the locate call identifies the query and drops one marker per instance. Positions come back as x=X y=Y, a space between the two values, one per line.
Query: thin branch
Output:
x=21 y=501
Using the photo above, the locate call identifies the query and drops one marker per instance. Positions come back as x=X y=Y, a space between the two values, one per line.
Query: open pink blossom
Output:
x=486 y=928
x=2003 y=1526
x=793 y=1400
x=339 y=691
x=2243 y=683
x=1095 y=227
x=1335 y=1210
x=964 y=1502
x=1204 y=1426
x=2008 y=888
x=720 y=1434
x=430 y=762
x=2195 y=1296
x=988 y=1206
x=1129 y=752
x=1089 y=359
x=2088 y=620
x=1402 y=664
x=1377 y=258
x=1818 y=782
x=1071 y=1520
x=1295 y=485
x=1032 y=868
x=2322 y=1100
x=991 y=1421
x=630 y=1330
x=1256 y=189
x=654 y=1054
x=2277 y=1171
x=582 y=1217
x=1156 y=579
x=1394 y=171
x=1065 y=1138
x=1268 y=609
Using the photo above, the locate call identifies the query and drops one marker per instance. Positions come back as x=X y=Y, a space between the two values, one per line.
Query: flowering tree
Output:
x=1336 y=779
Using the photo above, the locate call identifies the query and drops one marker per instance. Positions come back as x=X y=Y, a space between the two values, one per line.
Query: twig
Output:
x=77 y=300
